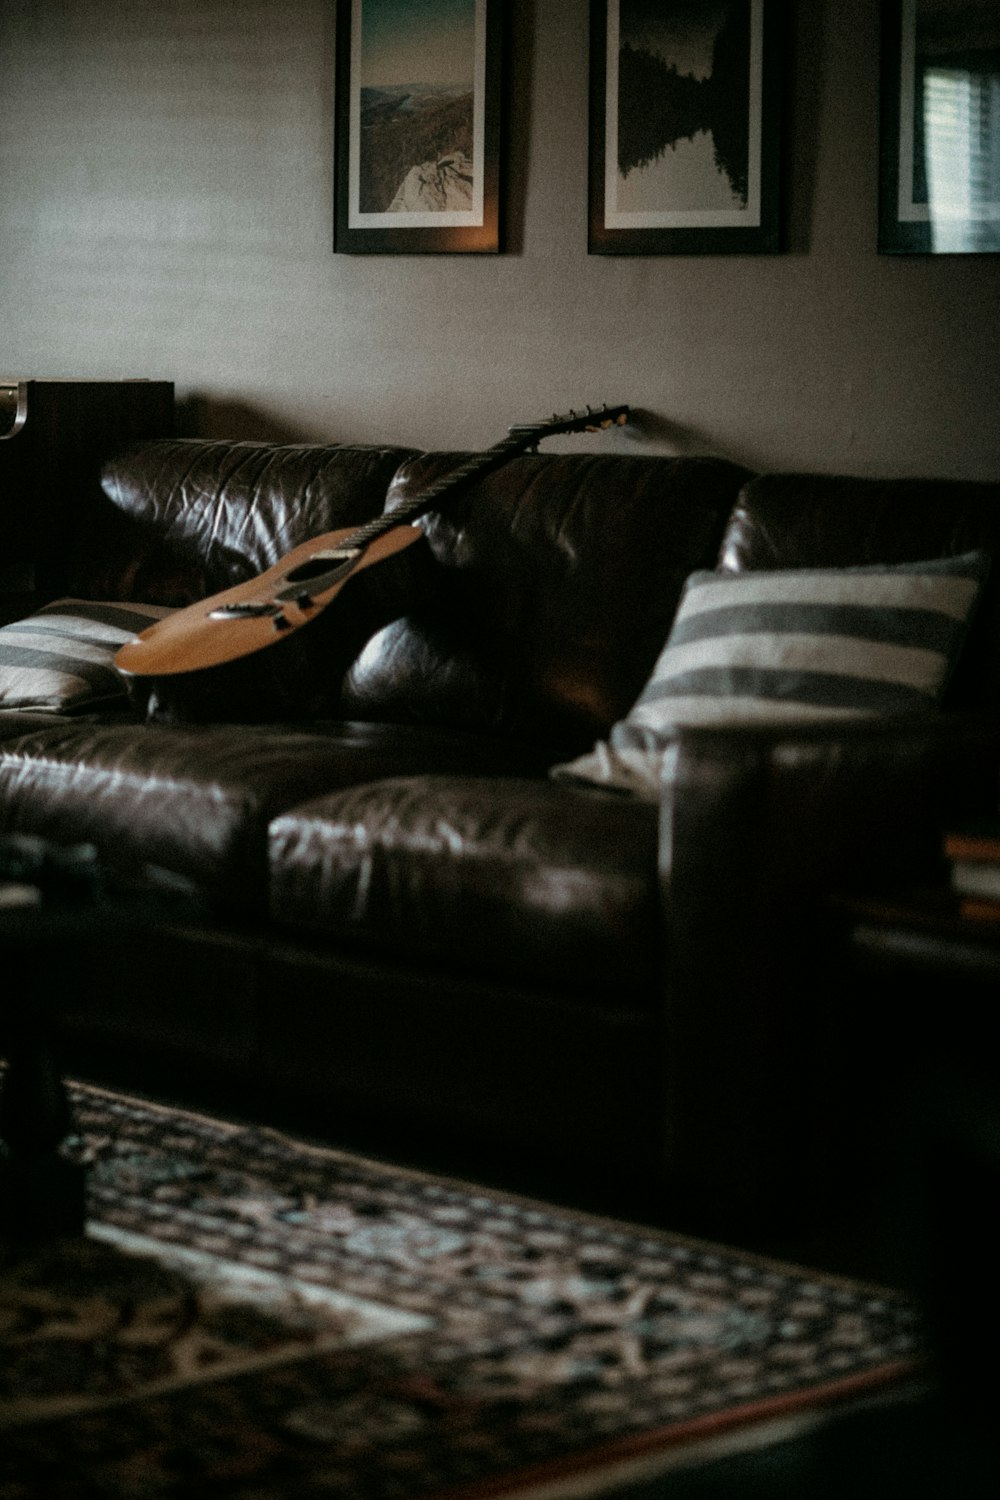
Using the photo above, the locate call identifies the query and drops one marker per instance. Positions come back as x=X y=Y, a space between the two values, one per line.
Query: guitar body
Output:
x=278 y=645
x=215 y=662
x=214 y=631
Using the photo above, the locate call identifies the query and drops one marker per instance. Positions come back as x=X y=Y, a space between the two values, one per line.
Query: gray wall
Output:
x=166 y=209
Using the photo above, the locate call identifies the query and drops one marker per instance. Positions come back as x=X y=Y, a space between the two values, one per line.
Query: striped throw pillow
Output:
x=794 y=646
x=61 y=659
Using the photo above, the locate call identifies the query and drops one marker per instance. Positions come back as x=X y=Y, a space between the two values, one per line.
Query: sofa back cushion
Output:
x=819 y=520
x=183 y=518
x=550 y=589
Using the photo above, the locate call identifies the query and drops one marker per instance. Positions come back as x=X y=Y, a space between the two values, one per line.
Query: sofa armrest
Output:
x=864 y=800
x=756 y=827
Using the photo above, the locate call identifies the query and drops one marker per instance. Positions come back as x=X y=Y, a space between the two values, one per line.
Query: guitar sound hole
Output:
x=318 y=567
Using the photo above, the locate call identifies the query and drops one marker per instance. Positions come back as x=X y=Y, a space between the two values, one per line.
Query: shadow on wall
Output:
x=680 y=438
x=203 y=417
x=650 y=426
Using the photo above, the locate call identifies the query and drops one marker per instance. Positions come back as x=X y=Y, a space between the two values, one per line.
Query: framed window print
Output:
x=939 y=177
x=684 y=126
x=418 y=126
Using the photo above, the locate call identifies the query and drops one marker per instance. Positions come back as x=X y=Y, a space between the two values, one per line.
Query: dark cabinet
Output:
x=55 y=436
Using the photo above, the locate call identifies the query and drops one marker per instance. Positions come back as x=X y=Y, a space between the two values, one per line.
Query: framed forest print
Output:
x=939 y=160
x=684 y=126
x=418 y=126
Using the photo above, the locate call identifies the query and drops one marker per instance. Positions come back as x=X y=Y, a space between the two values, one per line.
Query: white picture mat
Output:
x=616 y=217
x=357 y=219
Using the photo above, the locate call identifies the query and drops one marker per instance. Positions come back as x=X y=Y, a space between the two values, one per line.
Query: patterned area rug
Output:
x=259 y=1318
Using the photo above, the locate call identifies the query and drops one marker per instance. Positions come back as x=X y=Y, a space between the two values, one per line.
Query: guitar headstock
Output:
x=591 y=419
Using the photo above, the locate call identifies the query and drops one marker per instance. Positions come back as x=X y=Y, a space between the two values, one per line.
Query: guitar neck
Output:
x=430 y=495
x=518 y=440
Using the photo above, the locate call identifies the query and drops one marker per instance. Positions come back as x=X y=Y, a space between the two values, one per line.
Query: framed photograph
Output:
x=684 y=126
x=418 y=126
x=939 y=147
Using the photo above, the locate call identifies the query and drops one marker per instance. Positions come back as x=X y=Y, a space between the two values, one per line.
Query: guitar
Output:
x=180 y=663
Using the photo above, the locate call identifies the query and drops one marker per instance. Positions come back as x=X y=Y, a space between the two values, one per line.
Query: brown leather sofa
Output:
x=412 y=936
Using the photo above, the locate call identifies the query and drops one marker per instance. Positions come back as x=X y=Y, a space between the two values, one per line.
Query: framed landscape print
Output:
x=939 y=180
x=418 y=126
x=684 y=126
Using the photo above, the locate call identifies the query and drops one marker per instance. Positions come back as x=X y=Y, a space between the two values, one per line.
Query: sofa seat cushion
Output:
x=15 y=723
x=197 y=800
x=552 y=885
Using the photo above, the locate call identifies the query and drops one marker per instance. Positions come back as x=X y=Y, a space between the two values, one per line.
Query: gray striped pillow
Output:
x=790 y=647
x=61 y=658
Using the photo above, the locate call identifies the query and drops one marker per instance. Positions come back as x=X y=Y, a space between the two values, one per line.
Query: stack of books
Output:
x=974 y=852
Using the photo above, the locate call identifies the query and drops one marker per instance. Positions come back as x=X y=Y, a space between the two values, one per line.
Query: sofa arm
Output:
x=756 y=827
x=819 y=804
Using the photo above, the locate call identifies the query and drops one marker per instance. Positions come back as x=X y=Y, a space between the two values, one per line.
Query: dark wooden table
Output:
x=53 y=899
x=46 y=901
x=920 y=935
x=921 y=982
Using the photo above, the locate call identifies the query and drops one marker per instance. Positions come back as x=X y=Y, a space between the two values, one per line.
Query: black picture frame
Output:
x=389 y=125
x=705 y=164
x=939 y=133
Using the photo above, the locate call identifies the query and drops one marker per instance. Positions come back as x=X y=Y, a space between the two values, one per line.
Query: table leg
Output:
x=42 y=1190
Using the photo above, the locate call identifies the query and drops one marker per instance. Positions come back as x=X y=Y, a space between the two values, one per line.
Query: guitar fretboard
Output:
x=517 y=440
x=427 y=497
